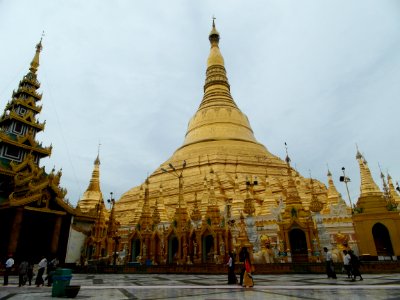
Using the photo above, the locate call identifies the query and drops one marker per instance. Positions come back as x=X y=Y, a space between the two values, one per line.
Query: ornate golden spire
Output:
x=215 y=57
x=333 y=194
x=292 y=197
x=35 y=60
x=218 y=117
x=315 y=205
x=92 y=197
x=94 y=185
x=156 y=214
x=146 y=220
x=368 y=185
x=371 y=197
x=196 y=213
x=392 y=190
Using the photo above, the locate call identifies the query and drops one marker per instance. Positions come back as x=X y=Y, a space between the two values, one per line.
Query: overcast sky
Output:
x=319 y=75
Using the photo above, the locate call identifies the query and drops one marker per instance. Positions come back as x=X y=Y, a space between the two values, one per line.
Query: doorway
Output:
x=383 y=244
x=298 y=245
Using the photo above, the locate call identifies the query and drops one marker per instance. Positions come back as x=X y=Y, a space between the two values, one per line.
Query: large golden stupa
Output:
x=220 y=155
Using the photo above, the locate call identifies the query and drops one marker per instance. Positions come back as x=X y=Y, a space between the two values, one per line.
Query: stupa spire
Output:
x=218 y=117
x=93 y=197
x=94 y=185
x=35 y=60
x=392 y=190
x=368 y=185
x=315 y=205
x=293 y=197
x=333 y=194
x=146 y=220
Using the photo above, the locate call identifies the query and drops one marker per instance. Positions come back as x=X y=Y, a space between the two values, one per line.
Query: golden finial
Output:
x=35 y=60
x=214 y=34
x=358 y=155
x=97 y=160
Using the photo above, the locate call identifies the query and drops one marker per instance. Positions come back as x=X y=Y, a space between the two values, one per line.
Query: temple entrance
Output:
x=135 y=249
x=208 y=249
x=173 y=247
x=37 y=236
x=298 y=245
x=383 y=244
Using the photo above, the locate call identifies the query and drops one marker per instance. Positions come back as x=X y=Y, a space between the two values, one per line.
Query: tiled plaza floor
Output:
x=213 y=287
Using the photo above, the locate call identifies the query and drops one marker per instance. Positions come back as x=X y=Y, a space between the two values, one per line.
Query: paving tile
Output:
x=213 y=287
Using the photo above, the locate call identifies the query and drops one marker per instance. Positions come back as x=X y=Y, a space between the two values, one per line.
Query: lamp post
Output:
x=178 y=175
x=346 y=179
x=116 y=239
x=111 y=228
x=111 y=201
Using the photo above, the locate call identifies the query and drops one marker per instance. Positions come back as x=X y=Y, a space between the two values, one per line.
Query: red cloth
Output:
x=247 y=266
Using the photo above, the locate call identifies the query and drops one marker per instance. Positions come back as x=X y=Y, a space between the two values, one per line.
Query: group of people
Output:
x=26 y=273
x=246 y=277
x=351 y=265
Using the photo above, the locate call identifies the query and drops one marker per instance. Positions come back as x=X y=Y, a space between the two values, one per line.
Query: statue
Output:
x=194 y=249
x=222 y=248
x=185 y=250
x=342 y=241
x=265 y=254
x=144 y=251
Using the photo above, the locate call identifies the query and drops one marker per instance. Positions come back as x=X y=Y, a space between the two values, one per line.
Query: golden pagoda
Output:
x=93 y=195
x=376 y=219
x=218 y=155
x=94 y=230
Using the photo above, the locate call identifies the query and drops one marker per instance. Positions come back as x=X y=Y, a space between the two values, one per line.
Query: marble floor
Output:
x=213 y=287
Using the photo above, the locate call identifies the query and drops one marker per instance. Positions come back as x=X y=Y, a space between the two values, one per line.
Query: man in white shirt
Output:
x=346 y=263
x=42 y=267
x=330 y=268
x=9 y=265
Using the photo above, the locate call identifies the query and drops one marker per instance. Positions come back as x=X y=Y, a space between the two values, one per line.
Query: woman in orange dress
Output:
x=248 y=277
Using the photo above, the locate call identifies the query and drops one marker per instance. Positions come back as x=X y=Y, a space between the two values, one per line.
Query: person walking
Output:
x=30 y=272
x=330 y=268
x=9 y=264
x=51 y=267
x=355 y=265
x=22 y=273
x=231 y=269
x=42 y=267
x=242 y=257
x=346 y=263
x=248 y=276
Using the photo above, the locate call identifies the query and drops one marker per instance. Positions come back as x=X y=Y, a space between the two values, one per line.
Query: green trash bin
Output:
x=61 y=279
